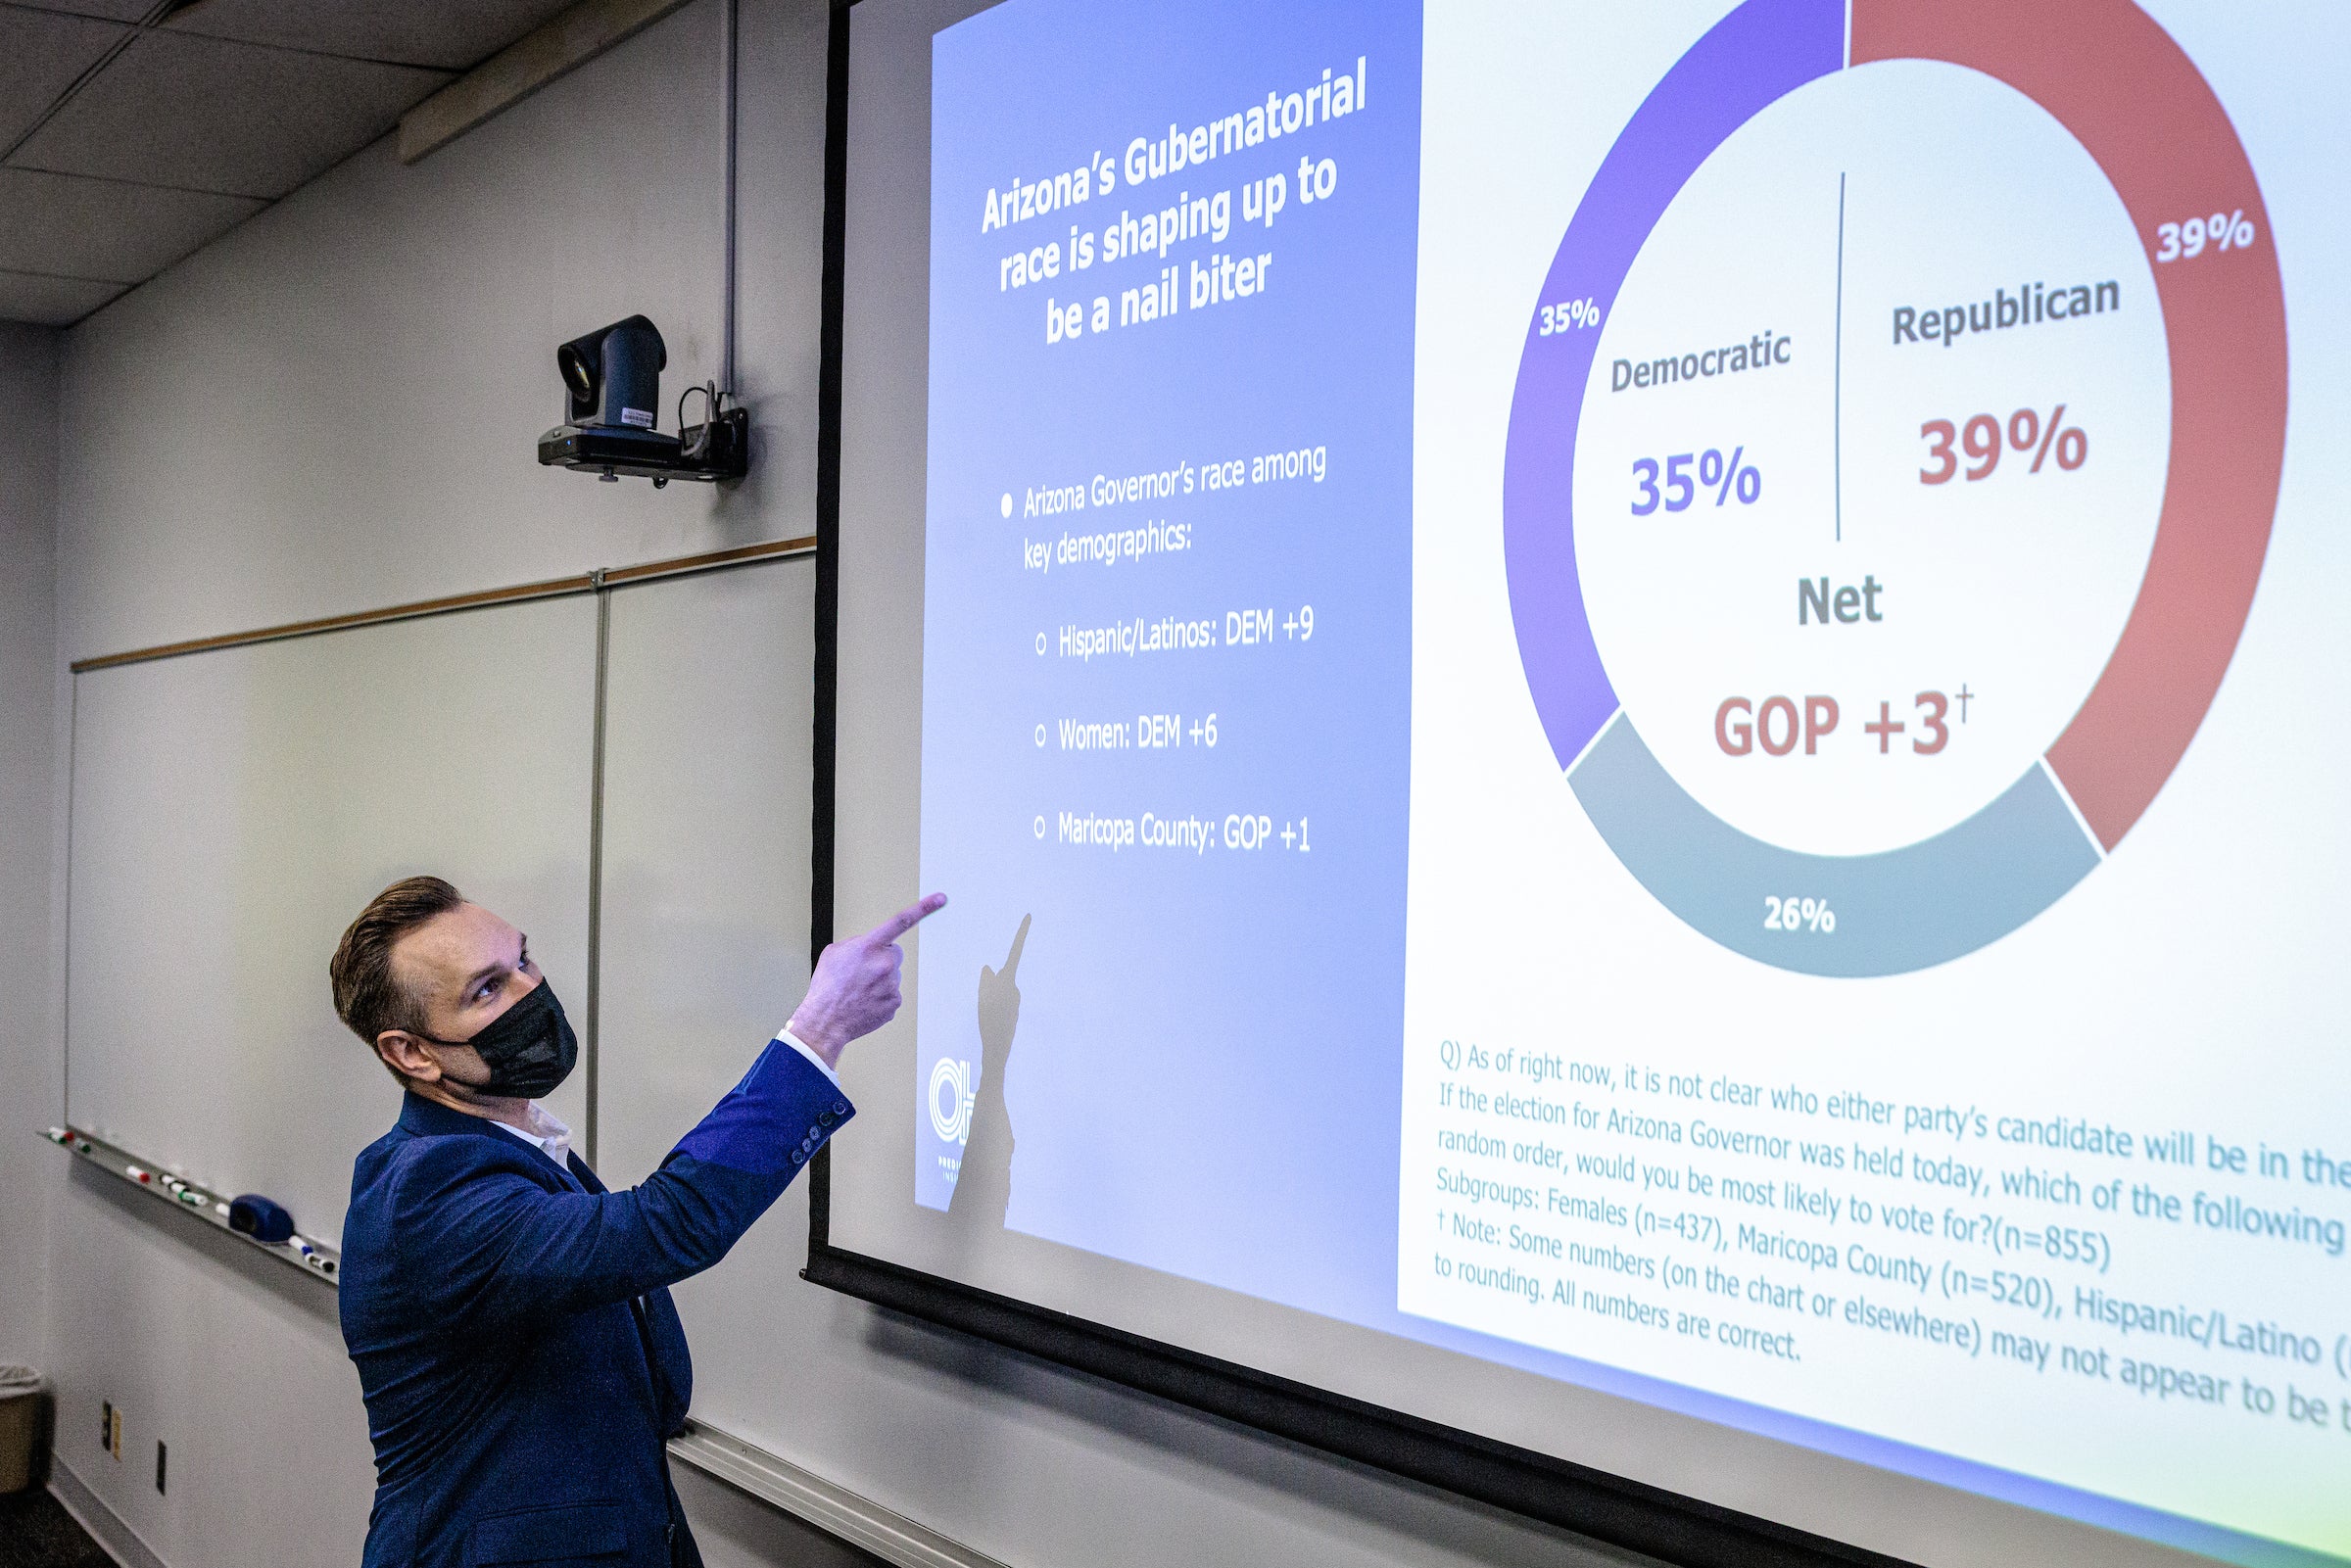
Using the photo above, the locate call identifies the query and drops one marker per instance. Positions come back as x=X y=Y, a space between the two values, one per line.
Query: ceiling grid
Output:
x=133 y=132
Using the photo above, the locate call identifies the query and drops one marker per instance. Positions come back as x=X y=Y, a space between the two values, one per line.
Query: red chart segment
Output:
x=2123 y=89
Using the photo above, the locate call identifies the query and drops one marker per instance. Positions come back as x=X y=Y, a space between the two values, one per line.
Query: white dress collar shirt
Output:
x=547 y=1133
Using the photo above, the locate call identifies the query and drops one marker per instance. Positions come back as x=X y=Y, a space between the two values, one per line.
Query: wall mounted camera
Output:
x=611 y=406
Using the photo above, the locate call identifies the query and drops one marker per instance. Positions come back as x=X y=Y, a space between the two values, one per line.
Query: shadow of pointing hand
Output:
x=1000 y=1007
x=983 y=1184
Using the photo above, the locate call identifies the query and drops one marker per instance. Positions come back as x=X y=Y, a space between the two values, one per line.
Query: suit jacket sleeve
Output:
x=487 y=1248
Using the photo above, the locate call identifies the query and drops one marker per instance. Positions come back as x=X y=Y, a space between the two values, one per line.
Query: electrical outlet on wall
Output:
x=158 y=1465
x=106 y=1425
x=114 y=1445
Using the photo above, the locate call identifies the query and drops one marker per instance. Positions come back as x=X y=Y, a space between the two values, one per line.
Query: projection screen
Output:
x=1629 y=714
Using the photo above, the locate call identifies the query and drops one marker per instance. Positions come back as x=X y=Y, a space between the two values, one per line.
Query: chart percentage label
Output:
x=2185 y=240
x=1719 y=475
x=1981 y=436
x=1567 y=316
x=1799 y=914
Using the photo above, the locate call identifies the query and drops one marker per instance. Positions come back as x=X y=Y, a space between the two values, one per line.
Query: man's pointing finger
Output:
x=905 y=920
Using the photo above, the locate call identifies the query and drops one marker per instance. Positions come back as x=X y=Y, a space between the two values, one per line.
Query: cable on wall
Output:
x=729 y=17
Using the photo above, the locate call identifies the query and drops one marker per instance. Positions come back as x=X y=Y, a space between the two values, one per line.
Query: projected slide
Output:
x=1612 y=690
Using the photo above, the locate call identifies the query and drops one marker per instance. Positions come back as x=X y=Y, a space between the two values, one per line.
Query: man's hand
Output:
x=854 y=990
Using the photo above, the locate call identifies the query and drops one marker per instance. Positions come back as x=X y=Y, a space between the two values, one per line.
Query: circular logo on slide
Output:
x=950 y=1098
x=1891 y=464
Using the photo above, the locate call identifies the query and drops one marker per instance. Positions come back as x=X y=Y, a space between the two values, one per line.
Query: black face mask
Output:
x=529 y=1048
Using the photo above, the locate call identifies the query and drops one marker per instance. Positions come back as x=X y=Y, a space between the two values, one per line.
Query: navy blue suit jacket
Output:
x=520 y=1359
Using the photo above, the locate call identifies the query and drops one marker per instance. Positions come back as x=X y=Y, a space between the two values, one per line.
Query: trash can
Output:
x=22 y=1406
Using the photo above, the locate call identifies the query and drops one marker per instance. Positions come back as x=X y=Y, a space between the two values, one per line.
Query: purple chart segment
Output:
x=1758 y=53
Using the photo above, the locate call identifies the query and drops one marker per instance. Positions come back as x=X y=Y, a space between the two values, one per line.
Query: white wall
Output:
x=333 y=409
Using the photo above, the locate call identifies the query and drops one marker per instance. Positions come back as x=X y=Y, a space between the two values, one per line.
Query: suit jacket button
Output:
x=798 y=1154
x=841 y=1107
x=824 y=1119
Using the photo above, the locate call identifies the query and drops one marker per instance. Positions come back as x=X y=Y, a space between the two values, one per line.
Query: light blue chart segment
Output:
x=1897 y=911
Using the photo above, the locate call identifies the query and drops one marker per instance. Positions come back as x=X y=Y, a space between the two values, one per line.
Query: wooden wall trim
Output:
x=596 y=582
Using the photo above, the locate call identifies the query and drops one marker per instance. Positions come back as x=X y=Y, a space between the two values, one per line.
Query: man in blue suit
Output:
x=522 y=1365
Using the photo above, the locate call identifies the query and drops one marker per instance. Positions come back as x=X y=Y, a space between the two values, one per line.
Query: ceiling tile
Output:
x=70 y=226
x=41 y=52
x=111 y=10
x=51 y=302
x=203 y=114
x=453 y=34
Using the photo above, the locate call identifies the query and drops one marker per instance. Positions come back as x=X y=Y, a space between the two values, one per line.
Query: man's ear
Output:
x=406 y=1055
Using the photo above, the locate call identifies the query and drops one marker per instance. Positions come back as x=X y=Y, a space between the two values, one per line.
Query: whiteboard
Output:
x=704 y=928
x=233 y=810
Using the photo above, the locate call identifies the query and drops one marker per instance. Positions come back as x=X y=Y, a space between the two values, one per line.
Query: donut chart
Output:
x=2125 y=93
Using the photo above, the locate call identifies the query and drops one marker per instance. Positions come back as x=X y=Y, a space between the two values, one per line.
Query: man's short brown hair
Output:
x=368 y=997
